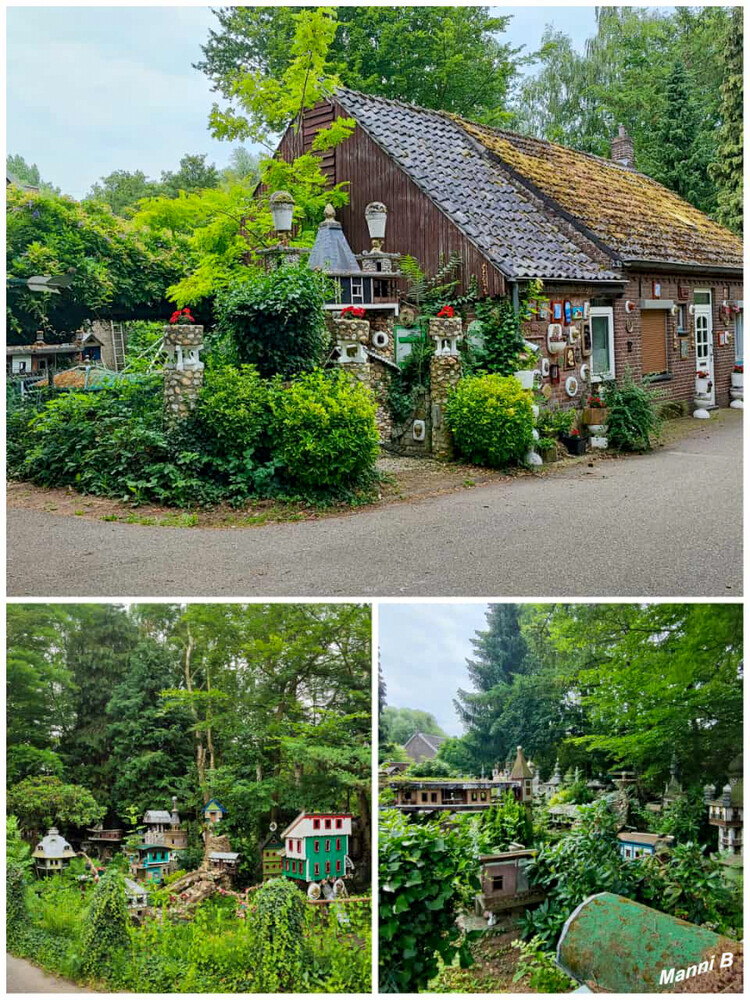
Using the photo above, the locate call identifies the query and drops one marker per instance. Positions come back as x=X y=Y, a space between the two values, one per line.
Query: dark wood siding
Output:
x=416 y=225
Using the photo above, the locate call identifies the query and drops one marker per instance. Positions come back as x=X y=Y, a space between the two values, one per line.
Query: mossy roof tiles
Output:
x=516 y=197
x=628 y=211
x=507 y=223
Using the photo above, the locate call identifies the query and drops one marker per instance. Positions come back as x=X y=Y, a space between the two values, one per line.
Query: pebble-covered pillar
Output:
x=445 y=372
x=183 y=372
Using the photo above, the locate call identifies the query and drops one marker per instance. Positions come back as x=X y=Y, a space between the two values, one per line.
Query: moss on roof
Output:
x=628 y=211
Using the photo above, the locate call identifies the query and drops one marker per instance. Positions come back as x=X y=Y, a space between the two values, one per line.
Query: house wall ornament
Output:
x=571 y=385
x=629 y=306
x=380 y=339
x=419 y=430
x=585 y=373
x=446 y=332
x=545 y=367
x=555 y=338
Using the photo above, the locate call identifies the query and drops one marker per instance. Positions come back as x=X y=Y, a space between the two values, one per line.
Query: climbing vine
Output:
x=278 y=948
x=106 y=929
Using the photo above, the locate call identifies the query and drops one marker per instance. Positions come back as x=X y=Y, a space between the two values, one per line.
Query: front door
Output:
x=704 y=337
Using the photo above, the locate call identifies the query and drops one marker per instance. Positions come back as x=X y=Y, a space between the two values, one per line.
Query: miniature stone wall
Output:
x=183 y=372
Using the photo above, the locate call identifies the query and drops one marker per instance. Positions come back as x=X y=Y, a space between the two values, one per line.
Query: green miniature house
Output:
x=316 y=847
x=271 y=851
x=153 y=862
x=213 y=811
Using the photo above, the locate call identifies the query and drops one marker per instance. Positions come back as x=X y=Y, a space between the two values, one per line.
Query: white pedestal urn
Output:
x=526 y=377
x=702 y=397
x=737 y=390
x=598 y=436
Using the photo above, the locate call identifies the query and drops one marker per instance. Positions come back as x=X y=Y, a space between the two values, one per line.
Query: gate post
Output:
x=183 y=372
x=445 y=372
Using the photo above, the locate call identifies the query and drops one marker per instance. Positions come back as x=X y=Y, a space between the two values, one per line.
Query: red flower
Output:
x=357 y=312
x=575 y=432
x=738 y=369
x=181 y=316
x=446 y=311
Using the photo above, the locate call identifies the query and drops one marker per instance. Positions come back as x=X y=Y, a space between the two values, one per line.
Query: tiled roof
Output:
x=629 y=212
x=515 y=197
x=507 y=223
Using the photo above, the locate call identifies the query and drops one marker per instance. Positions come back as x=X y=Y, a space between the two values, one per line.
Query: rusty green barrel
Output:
x=613 y=944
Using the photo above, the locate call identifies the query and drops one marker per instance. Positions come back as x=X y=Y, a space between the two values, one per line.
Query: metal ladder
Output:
x=118 y=345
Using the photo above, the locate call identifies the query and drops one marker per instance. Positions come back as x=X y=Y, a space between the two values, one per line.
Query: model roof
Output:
x=53 y=846
x=520 y=768
x=331 y=251
x=157 y=816
x=432 y=741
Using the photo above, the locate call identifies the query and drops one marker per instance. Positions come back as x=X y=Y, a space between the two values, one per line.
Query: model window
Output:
x=328 y=846
x=407 y=795
x=483 y=796
x=357 y=290
x=338 y=824
x=316 y=824
x=424 y=796
x=338 y=867
x=299 y=846
x=316 y=868
x=433 y=796
x=497 y=883
x=289 y=845
x=328 y=824
x=328 y=867
x=338 y=843
x=316 y=846
x=473 y=796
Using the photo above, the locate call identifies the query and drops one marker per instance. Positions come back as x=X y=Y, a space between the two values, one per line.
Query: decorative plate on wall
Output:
x=571 y=385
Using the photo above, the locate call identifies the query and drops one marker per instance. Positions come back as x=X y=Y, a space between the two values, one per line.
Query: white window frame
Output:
x=609 y=313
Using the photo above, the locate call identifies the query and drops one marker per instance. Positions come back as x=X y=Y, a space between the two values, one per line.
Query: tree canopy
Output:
x=265 y=707
x=450 y=58
x=400 y=724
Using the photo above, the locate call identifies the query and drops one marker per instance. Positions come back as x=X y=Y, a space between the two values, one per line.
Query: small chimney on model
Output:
x=622 y=148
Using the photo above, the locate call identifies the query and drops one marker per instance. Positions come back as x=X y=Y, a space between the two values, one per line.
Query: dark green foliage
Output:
x=277 y=320
x=118 y=270
x=491 y=419
x=685 y=818
x=727 y=168
x=502 y=337
x=16 y=912
x=431 y=769
x=555 y=423
x=279 y=950
x=688 y=884
x=504 y=824
x=633 y=420
x=427 y=875
x=412 y=379
x=46 y=801
x=540 y=965
x=106 y=929
x=463 y=65
x=314 y=437
x=234 y=409
x=323 y=430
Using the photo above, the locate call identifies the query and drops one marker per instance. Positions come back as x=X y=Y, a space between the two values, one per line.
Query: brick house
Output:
x=650 y=283
x=423 y=746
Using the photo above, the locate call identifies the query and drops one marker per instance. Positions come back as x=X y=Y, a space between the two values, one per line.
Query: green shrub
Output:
x=491 y=419
x=632 y=415
x=545 y=976
x=277 y=320
x=16 y=913
x=234 y=409
x=106 y=928
x=278 y=950
x=324 y=431
x=427 y=875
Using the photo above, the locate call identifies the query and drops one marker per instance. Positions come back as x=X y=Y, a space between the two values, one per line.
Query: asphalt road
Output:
x=667 y=524
x=23 y=977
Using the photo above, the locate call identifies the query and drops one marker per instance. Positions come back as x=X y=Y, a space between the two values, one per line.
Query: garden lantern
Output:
x=376 y=215
x=282 y=209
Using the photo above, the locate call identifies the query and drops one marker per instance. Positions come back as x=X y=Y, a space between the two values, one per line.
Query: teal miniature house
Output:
x=152 y=863
x=316 y=847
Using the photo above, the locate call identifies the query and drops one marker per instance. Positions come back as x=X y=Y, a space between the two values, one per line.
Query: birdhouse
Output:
x=213 y=811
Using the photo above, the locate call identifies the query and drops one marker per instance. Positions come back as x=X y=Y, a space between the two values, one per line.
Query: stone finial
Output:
x=329 y=213
x=708 y=793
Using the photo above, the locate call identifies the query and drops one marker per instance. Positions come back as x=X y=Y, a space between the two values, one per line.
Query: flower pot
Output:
x=526 y=377
x=575 y=444
x=702 y=386
x=549 y=455
x=595 y=415
x=556 y=346
x=737 y=378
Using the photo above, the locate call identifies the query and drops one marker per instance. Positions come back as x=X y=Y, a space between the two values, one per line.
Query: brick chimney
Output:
x=622 y=148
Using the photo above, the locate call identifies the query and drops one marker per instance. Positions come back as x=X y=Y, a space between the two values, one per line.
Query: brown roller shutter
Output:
x=653 y=341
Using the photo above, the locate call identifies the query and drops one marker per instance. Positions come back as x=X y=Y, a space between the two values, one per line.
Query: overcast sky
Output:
x=96 y=89
x=423 y=653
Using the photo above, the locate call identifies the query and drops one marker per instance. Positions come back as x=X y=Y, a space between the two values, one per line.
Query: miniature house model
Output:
x=504 y=882
x=52 y=853
x=316 y=847
x=213 y=811
x=271 y=851
x=164 y=828
x=103 y=843
x=463 y=794
x=634 y=845
x=371 y=285
x=151 y=862
x=224 y=862
x=725 y=812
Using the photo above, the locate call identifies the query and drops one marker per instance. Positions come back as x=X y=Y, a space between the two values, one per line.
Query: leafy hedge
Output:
x=491 y=419
x=426 y=875
x=312 y=438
